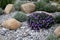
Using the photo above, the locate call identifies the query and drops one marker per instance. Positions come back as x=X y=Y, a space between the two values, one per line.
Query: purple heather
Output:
x=40 y=20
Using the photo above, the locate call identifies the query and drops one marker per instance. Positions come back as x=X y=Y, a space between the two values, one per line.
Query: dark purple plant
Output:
x=40 y=20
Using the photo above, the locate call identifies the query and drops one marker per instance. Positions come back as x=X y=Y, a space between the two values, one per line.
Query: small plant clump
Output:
x=1 y=11
x=47 y=1
x=43 y=6
x=50 y=8
x=57 y=17
x=52 y=37
x=40 y=20
x=55 y=0
x=40 y=5
x=20 y=16
x=3 y=3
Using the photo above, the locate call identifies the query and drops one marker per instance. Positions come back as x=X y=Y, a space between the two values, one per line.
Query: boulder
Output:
x=57 y=31
x=28 y=7
x=11 y=24
x=9 y=8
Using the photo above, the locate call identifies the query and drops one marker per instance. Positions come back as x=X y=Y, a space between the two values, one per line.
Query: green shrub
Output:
x=18 y=5
x=38 y=20
x=59 y=2
x=57 y=17
x=40 y=5
x=47 y=1
x=50 y=8
x=58 y=8
x=20 y=16
x=52 y=37
x=1 y=11
x=57 y=5
x=43 y=6
x=3 y=3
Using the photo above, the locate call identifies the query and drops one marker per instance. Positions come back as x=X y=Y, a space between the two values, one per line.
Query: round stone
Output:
x=28 y=7
x=11 y=23
x=57 y=31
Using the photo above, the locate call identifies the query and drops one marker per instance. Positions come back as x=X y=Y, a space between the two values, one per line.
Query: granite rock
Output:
x=28 y=7
x=9 y=8
x=11 y=23
x=57 y=31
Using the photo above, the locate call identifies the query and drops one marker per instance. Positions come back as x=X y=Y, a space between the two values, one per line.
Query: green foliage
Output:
x=23 y=0
x=57 y=17
x=47 y=1
x=20 y=16
x=59 y=1
x=52 y=37
x=43 y=6
x=50 y=8
x=1 y=11
x=40 y=5
x=58 y=8
x=57 y=5
x=38 y=20
x=55 y=0
x=3 y=3
x=18 y=5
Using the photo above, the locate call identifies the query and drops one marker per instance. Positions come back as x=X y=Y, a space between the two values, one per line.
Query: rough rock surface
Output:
x=11 y=24
x=28 y=7
x=9 y=8
x=57 y=31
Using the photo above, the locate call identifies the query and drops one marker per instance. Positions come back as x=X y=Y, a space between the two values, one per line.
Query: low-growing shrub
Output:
x=47 y=1
x=57 y=17
x=1 y=11
x=43 y=6
x=58 y=8
x=20 y=16
x=40 y=5
x=3 y=3
x=39 y=20
x=52 y=37
x=50 y=8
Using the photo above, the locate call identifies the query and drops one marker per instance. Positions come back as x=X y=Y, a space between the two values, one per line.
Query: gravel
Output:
x=23 y=33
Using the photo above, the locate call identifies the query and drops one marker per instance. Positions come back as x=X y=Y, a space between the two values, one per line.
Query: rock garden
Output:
x=26 y=20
